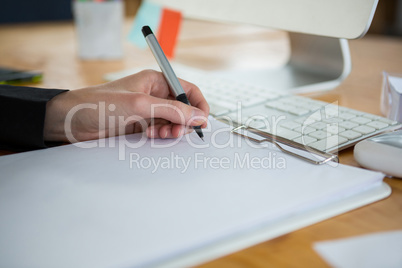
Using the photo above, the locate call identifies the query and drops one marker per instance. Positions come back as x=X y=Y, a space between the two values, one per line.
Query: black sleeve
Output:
x=22 y=116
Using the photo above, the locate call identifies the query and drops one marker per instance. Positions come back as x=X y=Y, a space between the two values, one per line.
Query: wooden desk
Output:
x=51 y=47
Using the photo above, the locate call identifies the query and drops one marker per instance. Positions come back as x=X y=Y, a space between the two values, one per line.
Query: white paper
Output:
x=113 y=205
x=369 y=251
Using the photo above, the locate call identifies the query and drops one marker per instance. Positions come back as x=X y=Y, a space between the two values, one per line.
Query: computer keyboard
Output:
x=324 y=126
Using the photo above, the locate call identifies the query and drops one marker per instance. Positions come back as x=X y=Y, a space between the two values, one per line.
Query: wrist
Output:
x=55 y=117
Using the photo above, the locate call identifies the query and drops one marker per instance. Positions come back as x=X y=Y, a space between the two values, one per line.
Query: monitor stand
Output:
x=316 y=63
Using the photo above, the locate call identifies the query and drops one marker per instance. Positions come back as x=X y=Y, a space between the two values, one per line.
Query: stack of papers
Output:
x=132 y=202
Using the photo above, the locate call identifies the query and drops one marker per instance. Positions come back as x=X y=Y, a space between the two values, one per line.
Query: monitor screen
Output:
x=333 y=18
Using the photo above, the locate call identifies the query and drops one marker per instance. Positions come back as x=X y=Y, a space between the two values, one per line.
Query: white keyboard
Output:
x=321 y=125
x=324 y=126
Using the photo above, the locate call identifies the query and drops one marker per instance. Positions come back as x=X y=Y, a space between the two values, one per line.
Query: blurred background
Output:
x=387 y=20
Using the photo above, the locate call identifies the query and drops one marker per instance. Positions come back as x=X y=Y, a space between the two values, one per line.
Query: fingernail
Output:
x=182 y=131
x=164 y=135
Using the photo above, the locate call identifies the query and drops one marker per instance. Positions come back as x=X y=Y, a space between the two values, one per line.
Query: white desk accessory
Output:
x=99 y=27
x=382 y=153
x=391 y=97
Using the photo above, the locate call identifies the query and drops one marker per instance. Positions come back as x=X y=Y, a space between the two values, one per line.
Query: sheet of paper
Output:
x=130 y=201
x=370 y=251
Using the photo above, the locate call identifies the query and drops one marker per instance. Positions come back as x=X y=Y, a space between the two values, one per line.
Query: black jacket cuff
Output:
x=22 y=116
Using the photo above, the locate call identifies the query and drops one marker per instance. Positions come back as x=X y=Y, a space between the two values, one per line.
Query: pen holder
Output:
x=99 y=28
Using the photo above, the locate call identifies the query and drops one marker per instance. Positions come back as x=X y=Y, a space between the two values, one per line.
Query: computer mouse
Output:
x=382 y=153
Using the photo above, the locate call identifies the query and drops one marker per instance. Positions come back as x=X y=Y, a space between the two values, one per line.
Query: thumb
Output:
x=174 y=111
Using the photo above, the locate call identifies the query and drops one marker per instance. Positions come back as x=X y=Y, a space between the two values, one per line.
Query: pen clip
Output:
x=267 y=137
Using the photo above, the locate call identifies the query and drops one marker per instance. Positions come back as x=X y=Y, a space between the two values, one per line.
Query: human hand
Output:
x=139 y=102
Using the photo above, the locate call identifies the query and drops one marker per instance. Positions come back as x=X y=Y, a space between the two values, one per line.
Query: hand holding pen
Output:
x=170 y=76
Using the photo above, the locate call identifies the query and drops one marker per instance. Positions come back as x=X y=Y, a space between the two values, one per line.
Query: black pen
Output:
x=167 y=71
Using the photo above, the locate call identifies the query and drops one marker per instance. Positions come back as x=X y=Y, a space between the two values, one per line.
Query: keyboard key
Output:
x=348 y=124
x=304 y=130
x=312 y=105
x=285 y=133
x=226 y=99
x=305 y=140
x=316 y=115
x=346 y=116
x=309 y=107
x=350 y=134
x=290 y=102
x=331 y=110
x=290 y=125
x=283 y=107
x=297 y=111
x=330 y=142
x=360 y=120
x=272 y=104
x=319 y=134
x=318 y=125
x=267 y=95
x=305 y=120
x=228 y=105
x=334 y=129
x=364 y=129
x=251 y=102
x=297 y=99
x=332 y=120
x=257 y=124
x=377 y=124
x=217 y=110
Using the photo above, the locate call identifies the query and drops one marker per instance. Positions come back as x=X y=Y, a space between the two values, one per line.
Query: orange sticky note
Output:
x=168 y=31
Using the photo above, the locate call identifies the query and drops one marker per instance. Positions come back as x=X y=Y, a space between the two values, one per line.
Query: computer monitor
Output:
x=318 y=32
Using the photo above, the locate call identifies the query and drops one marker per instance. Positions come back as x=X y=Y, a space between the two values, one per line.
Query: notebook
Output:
x=130 y=201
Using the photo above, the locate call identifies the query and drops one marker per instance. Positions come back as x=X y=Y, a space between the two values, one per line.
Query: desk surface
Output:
x=52 y=48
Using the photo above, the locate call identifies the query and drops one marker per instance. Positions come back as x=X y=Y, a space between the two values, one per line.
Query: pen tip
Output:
x=199 y=132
